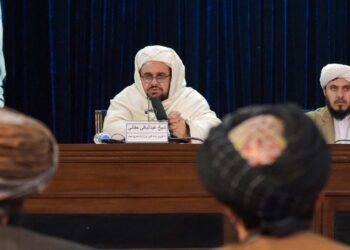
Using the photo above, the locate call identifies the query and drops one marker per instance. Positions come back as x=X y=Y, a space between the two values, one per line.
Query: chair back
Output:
x=99 y=117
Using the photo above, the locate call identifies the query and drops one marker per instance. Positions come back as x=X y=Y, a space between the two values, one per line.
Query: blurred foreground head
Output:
x=267 y=164
x=28 y=155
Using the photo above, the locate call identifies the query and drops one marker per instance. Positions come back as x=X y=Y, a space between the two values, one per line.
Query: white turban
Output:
x=333 y=71
x=155 y=53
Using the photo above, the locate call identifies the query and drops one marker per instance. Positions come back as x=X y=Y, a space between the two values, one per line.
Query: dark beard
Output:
x=337 y=114
x=161 y=97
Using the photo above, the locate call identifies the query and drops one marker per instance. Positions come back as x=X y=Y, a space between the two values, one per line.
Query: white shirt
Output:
x=342 y=130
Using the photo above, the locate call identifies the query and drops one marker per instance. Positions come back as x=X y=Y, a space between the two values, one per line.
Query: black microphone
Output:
x=161 y=115
x=158 y=109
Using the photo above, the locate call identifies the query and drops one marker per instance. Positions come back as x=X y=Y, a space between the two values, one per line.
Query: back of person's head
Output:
x=268 y=164
x=28 y=156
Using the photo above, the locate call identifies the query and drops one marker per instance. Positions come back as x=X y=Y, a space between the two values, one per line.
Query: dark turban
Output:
x=269 y=161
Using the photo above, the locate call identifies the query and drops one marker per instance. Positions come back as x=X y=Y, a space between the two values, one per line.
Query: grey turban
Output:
x=280 y=192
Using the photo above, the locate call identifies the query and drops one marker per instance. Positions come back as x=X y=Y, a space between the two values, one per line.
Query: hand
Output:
x=177 y=125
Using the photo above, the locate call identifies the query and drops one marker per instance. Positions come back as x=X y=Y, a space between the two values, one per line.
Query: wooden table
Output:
x=130 y=178
x=156 y=179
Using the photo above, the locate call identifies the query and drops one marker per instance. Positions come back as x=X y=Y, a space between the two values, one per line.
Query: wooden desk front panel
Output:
x=131 y=178
x=336 y=196
x=158 y=178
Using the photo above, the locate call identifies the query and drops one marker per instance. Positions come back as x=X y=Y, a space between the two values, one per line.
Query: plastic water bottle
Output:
x=101 y=136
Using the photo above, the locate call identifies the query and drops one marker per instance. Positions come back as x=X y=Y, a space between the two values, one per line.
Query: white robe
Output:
x=132 y=104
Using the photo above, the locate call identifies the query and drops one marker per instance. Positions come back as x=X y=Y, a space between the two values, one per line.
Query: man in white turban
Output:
x=334 y=119
x=159 y=72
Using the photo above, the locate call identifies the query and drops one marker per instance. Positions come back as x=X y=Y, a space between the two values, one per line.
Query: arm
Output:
x=193 y=116
x=128 y=105
x=114 y=122
x=178 y=125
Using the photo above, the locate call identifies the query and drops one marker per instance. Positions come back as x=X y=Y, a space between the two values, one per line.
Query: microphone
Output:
x=161 y=115
x=104 y=138
x=99 y=137
x=158 y=109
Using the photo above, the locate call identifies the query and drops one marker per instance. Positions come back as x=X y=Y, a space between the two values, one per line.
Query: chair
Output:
x=99 y=118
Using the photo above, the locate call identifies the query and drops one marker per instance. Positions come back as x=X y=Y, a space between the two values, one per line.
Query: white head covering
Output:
x=169 y=57
x=333 y=71
x=155 y=53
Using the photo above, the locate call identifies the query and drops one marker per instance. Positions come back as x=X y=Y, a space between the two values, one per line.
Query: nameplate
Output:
x=146 y=131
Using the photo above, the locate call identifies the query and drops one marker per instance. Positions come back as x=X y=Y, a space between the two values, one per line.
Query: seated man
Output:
x=159 y=72
x=267 y=166
x=334 y=120
x=28 y=160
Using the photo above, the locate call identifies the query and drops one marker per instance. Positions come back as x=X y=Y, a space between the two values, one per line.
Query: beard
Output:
x=161 y=95
x=337 y=114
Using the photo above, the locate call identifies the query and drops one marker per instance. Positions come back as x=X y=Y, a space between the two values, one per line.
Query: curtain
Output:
x=2 y=64
x=66 y=58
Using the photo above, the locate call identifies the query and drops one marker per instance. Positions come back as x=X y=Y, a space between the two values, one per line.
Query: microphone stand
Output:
x=148 y=100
